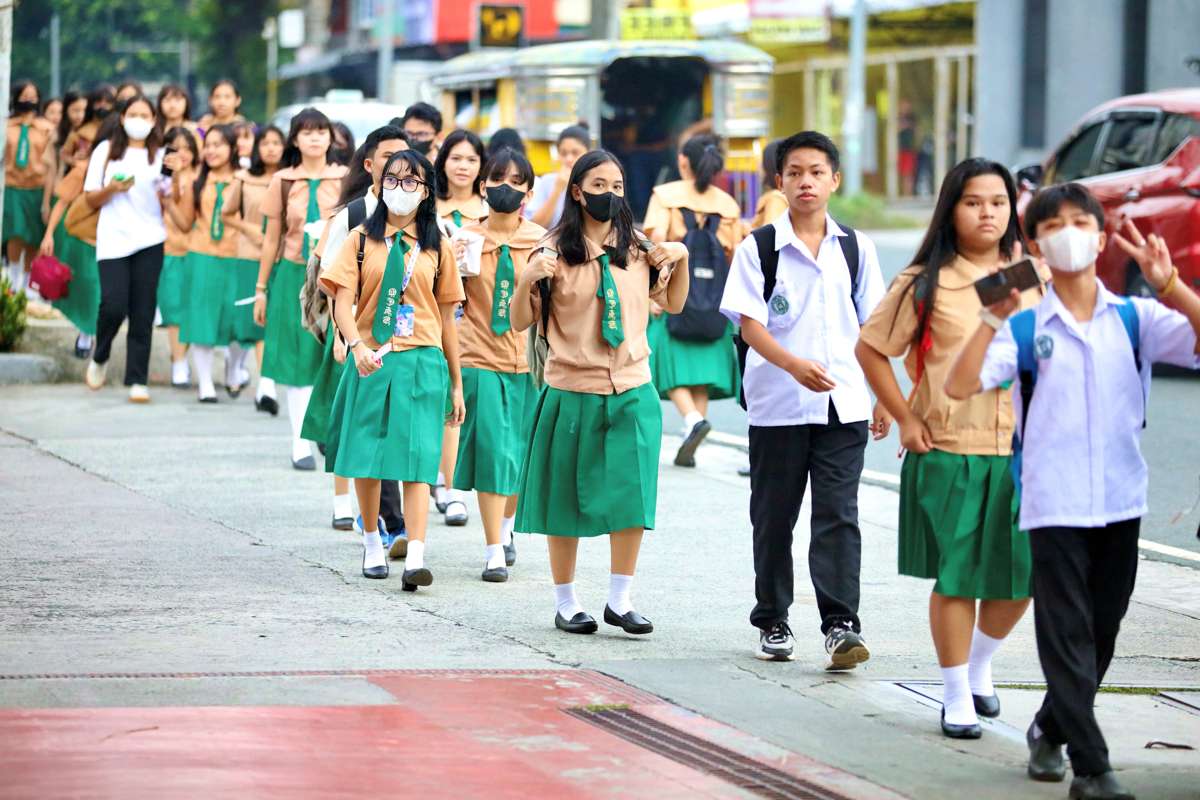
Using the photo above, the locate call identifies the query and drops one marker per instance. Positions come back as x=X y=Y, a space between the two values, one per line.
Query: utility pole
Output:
x=270 y=34
x=856 y=90
x=55 y=62
x=386 y=37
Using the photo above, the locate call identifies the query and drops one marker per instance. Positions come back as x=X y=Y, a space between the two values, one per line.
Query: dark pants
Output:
x=1082 y=580
x=781 y=461
x=390 y=506
x=129 y=288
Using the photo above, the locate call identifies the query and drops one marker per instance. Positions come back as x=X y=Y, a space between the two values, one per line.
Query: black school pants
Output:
x=1082 y=581
x=390 y=505
x=129 y=289
x=782 y=459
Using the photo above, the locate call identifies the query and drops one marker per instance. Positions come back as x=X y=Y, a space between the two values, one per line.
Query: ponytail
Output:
x=703 y=153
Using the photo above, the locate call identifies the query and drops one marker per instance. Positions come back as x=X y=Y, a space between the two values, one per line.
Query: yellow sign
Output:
x=789 y=30
x=500 y=26
x=656 y=23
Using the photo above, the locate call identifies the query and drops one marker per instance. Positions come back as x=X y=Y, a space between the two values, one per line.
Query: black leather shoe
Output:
x=686 y=455
x=321 y=448
x=343 y=523
x=580 y=623
x=417 y=577
x=1099 y=787
x=951 y=731
x=374 y=572
x=82 y=352
x=234 y=391
x=510 y=553
x=268 y=405
x=987 y=706
x=1046 y=761
x=209 y=399
x=306 y=464
x=495 y=574
x=630 y=622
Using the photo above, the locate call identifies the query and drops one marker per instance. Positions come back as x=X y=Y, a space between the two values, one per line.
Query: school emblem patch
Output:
x=779 y=305
x=1043 y=347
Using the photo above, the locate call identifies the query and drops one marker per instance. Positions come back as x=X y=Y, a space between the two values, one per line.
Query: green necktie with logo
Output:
x=502 y=292
x=216 y=227
x=390 y=291
x=611 y=329
x=22 y=159
x=314 y=212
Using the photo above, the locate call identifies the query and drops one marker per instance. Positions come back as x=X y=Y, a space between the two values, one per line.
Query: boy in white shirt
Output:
x=1083 y=480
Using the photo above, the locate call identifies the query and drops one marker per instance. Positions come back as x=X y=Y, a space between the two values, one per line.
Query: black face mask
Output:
x=504 y=199
x=24 y=107
x=421 y=145
x=603 y=207
x=101 y=112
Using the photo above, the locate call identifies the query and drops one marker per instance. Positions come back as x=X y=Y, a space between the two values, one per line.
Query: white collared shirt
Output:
x=339 y=230
x=1082 y=464
x=812 y=315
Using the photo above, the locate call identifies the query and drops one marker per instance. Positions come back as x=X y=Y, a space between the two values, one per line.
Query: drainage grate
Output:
x=703 y=756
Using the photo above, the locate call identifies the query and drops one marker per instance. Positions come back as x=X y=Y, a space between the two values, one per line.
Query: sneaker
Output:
x=776 y=643
x=846 y=648
x=139 y=394
x=686 y=456
x=398 y=550
x=95 y=376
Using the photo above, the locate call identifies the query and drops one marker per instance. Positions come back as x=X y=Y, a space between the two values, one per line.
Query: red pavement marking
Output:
x=451 y=734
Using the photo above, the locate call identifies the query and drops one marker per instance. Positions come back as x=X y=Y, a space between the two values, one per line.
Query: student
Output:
x=224 y=100
x=210 y=288
x=129 y=242
x=1082 y=475
x=421 y=123
x=25 y=166
x=807 y=398
x=360 y=189
x=175 y=108
x=82 y=303
x=52 y=111
x=246 y=137
x=546 y=205
x=701 y=363
x=958 y=505
x=79 y=142
x=496 y=385
x=387 y=417
x=343 y=144
x=460 y=203
x=74 y=107
x=771 y=203
x=312 y=184
x=172 y=293
x=591 y=465
x=245 y=214
x=506 y=137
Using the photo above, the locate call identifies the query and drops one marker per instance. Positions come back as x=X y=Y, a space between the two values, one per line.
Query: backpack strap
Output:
x=285 y=188
x=1023 y=326
x=1129 y=318
x=689 y=219
x=849 y=245
x=362 y=241
x=768 y=258
x=356 y=212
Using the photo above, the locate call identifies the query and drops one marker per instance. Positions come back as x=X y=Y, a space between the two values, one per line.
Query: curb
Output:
x=17 y=368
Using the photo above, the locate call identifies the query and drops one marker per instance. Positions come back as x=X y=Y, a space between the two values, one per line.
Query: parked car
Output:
x=344 y=105
x=1140 y=156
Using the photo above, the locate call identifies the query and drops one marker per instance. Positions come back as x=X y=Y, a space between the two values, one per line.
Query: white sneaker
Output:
x=95 y=376
x=139 y=394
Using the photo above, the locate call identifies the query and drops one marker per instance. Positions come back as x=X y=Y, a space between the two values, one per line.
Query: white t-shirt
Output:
x=129 y=221
x=543 y=188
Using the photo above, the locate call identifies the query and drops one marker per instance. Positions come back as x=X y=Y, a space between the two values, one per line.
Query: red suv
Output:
x=1140 y=156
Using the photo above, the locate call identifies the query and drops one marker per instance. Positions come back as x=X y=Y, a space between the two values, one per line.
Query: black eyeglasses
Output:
x=408 y=183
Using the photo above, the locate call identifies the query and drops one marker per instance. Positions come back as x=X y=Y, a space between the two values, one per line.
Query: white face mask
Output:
x=400 y=202
x=137 y=128
x=244 y=162
x=1070 y=249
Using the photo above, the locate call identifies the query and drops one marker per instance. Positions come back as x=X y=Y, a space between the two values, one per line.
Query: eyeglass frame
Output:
x=400 y=181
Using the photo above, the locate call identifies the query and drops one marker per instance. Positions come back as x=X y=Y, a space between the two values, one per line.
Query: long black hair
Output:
x=21 y=86
x=257 y=167
x=455 y=137
x=227 y=133
x=429 y=235
x=703 y=154
x=100 y=93
x=569 y=230
x=940 y=245
x=308 y=119
x=189 y=139
x=506 y=137
x=119 y=141
x=174 y=90
x=64 y=124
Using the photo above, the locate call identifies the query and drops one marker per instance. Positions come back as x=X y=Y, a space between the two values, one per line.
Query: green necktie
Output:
x=314 y=211
x=216 y=228
x=611 y=329
x=502 y=292
x=457 y=217
x=22 y=160
x=391 y=291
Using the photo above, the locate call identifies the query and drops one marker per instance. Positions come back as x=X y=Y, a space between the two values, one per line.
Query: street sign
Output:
x=794 y=30
x=656 y=23
x=501 y=26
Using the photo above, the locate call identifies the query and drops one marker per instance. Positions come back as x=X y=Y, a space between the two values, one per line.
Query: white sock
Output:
x=266 y=388
x=983 y=647
x=375 y=556
x=495 y=556
x=456 y=496
x=179 y=372
x=439 y=490
x=565 y=600
x=235 y=364
x=342 y=506
x=300 y=449
x=506 y=529
x=956 y=696
x=85 y=341
x=202 y=358
x=297 y=403
x=618 y=593
x=691 y=419
x=416 y=555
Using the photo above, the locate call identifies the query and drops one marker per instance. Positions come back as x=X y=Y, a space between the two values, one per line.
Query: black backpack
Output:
x=768 y=258
x=701 y=319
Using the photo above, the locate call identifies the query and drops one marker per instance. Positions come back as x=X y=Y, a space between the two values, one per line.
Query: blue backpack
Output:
x=1024 y=324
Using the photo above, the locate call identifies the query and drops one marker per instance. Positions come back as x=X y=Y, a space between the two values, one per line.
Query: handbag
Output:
x=50 y=277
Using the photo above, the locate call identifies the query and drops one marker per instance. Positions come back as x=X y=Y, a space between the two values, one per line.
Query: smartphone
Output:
x=1020 y=275
x=120 y=177
x=646 y=245
x=167 y=171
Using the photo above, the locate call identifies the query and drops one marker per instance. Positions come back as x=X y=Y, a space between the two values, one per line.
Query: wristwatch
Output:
x=990 y=319
x=351 y=345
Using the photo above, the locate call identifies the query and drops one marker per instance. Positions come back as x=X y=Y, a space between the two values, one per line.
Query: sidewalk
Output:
x=175 y=538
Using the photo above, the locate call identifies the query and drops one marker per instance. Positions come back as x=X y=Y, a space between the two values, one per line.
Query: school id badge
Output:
x=405 y=320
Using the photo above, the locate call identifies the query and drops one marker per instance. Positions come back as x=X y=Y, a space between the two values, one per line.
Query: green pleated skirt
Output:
x=676 y=362
x=591 y=466
x=172 y=287
x=388 y=425
x=208 y=311
x=958 y=524
x=23 y=216
x=82 y=303
x=324 y=388
x=245 y=276
x=291 y=355
x=491 y=446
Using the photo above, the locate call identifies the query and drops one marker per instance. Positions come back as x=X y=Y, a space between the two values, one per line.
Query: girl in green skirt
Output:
x=82 y=303
x=692 y=369
x=591 y=465
x=25 y=166
x=210 y=287
x=171 y=282
x=958 y=505
x=304 y=191
x=496 y=383
x=396 y=312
